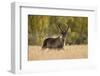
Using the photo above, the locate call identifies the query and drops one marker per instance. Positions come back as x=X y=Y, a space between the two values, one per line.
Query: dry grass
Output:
x=69 y=52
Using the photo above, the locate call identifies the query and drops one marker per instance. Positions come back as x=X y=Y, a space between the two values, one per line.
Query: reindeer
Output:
x=58 y=42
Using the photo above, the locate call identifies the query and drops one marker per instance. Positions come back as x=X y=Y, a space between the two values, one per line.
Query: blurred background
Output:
x=41 y=27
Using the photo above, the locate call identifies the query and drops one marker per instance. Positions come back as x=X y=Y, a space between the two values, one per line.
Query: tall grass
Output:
x=69 y=52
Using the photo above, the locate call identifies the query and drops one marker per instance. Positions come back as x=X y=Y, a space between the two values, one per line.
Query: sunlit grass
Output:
x=69 y=52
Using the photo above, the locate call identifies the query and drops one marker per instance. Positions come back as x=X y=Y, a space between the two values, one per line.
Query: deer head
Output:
x=63 y=31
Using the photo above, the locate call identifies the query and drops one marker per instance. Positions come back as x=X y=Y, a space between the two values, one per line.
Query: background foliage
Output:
x=41 y=27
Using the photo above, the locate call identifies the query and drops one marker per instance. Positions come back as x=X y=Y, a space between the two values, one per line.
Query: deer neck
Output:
x=62 y=38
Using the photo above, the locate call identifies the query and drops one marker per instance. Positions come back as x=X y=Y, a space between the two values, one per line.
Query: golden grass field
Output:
x=69 y=52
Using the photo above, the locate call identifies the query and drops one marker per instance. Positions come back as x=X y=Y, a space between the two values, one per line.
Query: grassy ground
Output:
x=69 y=52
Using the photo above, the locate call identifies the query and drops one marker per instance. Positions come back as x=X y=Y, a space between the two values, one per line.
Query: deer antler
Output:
x=67 y=27
x=59 y=26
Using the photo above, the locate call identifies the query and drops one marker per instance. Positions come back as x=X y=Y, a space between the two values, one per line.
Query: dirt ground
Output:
x=69 y=52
